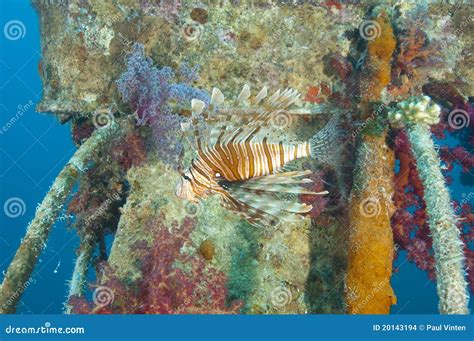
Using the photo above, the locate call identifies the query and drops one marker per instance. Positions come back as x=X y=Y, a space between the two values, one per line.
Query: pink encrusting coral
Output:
x=172 y=282
x=81 y=131
x=130 y=151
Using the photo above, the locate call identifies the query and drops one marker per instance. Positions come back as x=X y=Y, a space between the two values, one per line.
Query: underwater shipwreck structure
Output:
x=123 y=74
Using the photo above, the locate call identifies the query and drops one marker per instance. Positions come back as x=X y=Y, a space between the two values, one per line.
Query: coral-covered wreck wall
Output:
x=172 y=256
x=85 y=49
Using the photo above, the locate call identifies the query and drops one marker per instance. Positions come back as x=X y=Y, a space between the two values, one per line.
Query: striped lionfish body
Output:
x=237 y=160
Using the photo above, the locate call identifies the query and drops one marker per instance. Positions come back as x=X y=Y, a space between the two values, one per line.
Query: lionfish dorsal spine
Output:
x=261 y=95
x=244 y=95
x=197 y=106
x=217 y=97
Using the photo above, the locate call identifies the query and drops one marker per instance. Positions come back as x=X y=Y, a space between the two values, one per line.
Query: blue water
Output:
x=35 y=148
x=32 y=152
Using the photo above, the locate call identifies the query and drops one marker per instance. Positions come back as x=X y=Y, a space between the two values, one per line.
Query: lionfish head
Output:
x=184 y=190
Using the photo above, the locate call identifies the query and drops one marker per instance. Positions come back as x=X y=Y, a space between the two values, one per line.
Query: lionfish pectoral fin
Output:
x=260 y=216
x=266 y=197
x=260 y=204
x=276 y=183
x=252 y=215
x=277 y=188
x=283 y=178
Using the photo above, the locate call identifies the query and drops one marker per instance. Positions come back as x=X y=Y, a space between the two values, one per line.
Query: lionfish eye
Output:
x=186 y=177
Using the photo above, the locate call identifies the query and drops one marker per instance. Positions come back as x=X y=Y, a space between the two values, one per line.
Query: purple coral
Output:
x=149 y=92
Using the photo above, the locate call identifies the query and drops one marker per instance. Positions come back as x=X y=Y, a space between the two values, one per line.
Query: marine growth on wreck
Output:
x=257 y=157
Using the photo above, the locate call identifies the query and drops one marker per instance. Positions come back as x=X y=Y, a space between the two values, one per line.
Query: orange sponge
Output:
x=378 y=65
x=371 y=248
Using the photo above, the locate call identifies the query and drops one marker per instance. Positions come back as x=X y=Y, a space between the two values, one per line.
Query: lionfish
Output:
x=238 y=160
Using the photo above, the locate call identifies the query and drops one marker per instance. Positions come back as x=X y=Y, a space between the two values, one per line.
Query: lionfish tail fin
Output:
x=325 y=145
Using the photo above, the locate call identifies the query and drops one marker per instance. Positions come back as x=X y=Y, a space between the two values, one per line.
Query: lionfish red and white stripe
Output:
x=239 y=160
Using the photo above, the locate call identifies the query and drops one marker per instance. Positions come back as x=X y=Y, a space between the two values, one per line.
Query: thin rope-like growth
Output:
x=78 y=281
x=17 y=277
x=417 y=114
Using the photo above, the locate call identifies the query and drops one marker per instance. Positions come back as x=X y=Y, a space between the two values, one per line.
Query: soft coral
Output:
x=172 y=282
x=150 y=91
